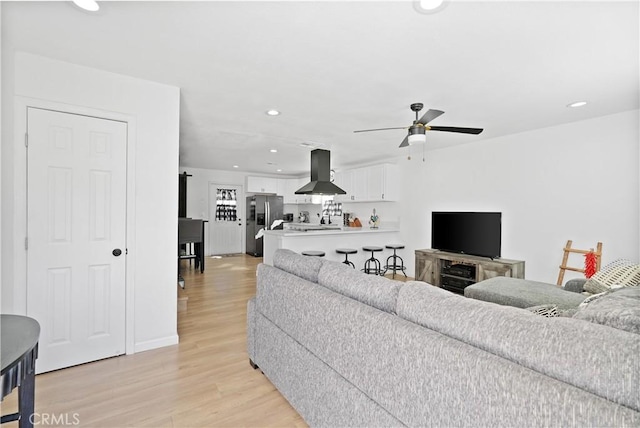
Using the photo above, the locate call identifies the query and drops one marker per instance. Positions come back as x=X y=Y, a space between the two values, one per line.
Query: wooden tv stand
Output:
x=455 y=271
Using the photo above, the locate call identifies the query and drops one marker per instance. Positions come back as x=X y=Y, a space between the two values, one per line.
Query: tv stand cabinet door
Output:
x=493 y=269
x=427 y=269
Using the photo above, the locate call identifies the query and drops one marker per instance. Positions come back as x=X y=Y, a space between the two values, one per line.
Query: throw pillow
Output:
x=593 y=297
x=620 y=272
x=548 y=311
x=618 y=308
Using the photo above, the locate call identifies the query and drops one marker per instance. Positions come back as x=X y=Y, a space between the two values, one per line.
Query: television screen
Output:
x=476 y=233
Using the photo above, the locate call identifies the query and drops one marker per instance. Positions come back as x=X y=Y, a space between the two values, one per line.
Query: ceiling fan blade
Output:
x=475 y=131
x=381 y=129
x=405 y=142
x=429 y=116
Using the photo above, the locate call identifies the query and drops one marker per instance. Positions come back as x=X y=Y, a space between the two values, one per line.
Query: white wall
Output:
x=198 y=187
x=577 y=181
x=152 y=110
x=198 y=193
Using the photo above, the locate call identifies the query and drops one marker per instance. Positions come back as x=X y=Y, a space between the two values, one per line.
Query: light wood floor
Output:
x=205 y=381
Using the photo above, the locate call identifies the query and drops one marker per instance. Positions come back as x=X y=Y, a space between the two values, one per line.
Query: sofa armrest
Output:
x=576 y=285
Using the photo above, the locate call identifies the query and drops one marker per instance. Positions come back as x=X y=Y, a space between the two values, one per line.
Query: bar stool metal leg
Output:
x=346 y=252
x=394 y=266
x=347 y=262
x=377 y=267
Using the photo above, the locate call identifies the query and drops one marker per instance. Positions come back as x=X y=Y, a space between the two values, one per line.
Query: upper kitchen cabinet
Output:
x=359 y=178
x=368 y=184
x=382 y=182
x=342 y=179
x=281 y=187
x=262 y=185
x=290 y=187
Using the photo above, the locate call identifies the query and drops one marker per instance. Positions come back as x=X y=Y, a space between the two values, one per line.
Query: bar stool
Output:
x=394 y=258
x=346 y=252
x=313 y=253
x=367 y=264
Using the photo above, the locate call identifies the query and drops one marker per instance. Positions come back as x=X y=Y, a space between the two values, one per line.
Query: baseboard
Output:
x=156 y=343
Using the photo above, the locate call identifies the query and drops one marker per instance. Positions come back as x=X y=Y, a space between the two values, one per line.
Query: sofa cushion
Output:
x=619 y=308
x=297 y=264
x=522 y=293
x=620 y=272
x=552 y=346
x=373 y=290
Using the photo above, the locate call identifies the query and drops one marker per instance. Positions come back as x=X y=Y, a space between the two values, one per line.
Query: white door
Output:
x=226 y=206
x=76 y=172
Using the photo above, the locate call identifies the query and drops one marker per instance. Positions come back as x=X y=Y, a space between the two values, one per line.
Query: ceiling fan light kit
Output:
x=417 y=135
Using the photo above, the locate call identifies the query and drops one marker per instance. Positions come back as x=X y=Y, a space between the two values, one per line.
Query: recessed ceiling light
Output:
x=577 y=104
x=429 y=6
x=273 y=112
x=278 y=170
x=274 y=150
x=235 y=166
x=90 y=5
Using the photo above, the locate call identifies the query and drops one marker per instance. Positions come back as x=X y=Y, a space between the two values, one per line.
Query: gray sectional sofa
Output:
x=524 y=293
x=348 y=349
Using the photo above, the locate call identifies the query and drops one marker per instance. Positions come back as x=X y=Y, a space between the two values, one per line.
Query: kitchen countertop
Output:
x=328 y=230
x=328 y=239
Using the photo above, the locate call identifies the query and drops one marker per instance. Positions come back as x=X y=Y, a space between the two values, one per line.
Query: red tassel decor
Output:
x=590 y=261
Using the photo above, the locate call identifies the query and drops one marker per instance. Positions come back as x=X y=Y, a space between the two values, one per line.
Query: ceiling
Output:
x=332 y=67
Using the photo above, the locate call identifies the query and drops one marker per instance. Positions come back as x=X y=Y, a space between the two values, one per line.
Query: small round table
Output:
x=19 y=350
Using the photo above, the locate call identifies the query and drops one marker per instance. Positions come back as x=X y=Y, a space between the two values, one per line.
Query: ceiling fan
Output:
x=418 y=129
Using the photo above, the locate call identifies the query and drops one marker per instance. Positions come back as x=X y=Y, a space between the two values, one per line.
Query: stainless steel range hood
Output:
x=320 y=176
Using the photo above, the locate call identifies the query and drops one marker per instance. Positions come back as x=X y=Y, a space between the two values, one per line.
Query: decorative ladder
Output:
x=565 y=259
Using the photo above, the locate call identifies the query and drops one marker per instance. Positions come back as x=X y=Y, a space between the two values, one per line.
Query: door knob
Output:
x=116 y=252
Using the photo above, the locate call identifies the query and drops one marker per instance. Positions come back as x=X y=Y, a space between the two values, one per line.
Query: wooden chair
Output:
x=565 y=259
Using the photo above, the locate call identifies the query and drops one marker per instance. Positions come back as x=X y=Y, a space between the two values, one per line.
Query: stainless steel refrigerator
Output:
x=262 y=211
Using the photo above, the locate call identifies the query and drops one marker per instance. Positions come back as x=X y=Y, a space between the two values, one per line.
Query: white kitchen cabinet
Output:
x=291 y=185
x=382 y=182
x=342 y=179
x=281 y=187
x=366 y=184
x=359 y=185
x=262 y=184
x=375 y=183
x=369 y=184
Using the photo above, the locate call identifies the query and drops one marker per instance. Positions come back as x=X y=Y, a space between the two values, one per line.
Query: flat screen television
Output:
x=476 y=233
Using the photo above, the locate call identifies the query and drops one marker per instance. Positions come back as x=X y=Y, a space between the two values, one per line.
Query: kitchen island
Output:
x=328 y=239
